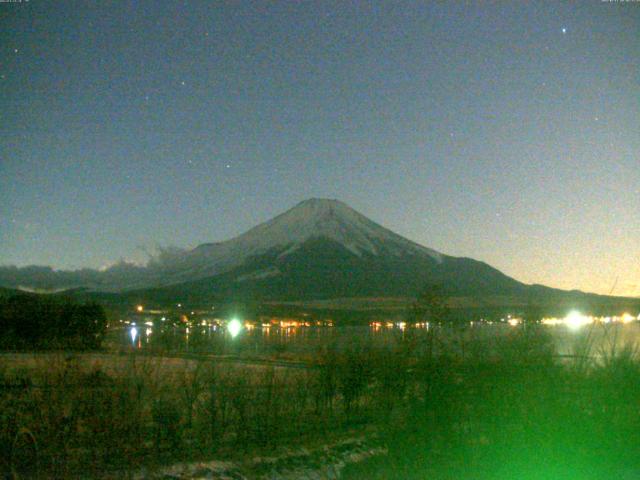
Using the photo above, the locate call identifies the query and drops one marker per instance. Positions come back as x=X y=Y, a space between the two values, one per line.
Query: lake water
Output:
x=567 y=339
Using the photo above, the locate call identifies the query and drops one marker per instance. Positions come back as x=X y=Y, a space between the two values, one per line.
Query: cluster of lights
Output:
x=284 y=323
x=575 y=320
x=400 y=325
x=234 y=326
x=292 y=324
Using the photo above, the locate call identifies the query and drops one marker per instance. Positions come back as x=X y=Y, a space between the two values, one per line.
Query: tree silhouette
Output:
x=430 y=306
x=33 y=321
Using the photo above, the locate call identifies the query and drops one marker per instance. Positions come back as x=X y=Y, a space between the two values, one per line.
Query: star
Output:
x=564 y=30
x=183 y=83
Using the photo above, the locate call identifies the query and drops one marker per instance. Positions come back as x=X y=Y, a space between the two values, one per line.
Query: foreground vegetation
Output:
x=516 y=411
x=497 y=407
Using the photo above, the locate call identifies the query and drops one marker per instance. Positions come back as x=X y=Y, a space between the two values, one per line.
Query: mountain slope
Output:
x=324 y=249
x=319 y=249
x=285 y=234
x=320 y=268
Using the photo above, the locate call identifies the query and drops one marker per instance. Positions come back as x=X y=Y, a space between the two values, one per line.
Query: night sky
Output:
x=506 y=132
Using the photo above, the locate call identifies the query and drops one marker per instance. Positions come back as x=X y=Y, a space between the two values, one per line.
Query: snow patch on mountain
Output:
x=259 y=274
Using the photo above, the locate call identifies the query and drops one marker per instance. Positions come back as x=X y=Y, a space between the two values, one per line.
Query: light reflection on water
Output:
x=566 y=338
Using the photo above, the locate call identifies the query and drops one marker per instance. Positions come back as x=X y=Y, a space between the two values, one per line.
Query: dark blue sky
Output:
x=506 y=132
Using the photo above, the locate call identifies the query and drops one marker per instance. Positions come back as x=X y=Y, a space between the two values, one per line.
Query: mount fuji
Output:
x=316 y=250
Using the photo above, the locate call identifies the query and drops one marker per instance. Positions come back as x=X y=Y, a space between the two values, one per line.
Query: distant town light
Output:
x=626 y=318
x=140 y=308
x=134 y=333
x=234 y=327
x=575 y=320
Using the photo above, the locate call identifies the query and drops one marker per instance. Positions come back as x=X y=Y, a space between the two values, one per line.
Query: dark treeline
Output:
x=43 y=322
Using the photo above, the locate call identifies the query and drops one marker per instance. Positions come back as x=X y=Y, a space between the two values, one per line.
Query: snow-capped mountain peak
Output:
x=316 y=218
